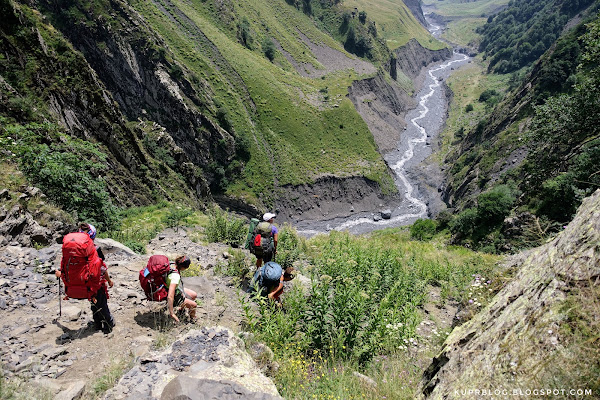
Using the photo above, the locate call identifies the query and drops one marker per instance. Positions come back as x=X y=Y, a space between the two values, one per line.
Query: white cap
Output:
x=268 y=216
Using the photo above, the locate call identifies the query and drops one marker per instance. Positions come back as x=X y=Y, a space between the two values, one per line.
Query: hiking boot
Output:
x=108 y=327
x=96 y=326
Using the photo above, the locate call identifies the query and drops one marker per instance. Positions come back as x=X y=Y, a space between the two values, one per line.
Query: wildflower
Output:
x=471 y=301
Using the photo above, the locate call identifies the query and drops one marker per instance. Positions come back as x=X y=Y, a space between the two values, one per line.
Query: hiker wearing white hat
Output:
x=268 y=217
x=265 y=248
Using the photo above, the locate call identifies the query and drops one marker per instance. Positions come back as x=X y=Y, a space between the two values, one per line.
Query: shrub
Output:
x=269 y=48
x=176 y=217
x=225 y=228
x=559 y=198
x=289 y=247
x=495 y=205
x=136 y=246
x=469 y=107
x=69 y=172
x=236 y=265
x=464 y=223
x=423 y=229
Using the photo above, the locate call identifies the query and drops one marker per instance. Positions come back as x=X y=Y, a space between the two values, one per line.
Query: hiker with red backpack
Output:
x=85 y=274
x=264 y=241
x=162 y=282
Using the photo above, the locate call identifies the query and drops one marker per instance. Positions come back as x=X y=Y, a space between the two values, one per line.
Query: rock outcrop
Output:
x=209 y=363
x=518 y=336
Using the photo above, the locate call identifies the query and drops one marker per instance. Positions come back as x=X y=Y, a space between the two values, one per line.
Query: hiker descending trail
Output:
x=85 y=275
x=263 y=238
x=65 y=351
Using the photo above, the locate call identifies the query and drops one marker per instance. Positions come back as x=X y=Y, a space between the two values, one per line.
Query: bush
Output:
x=225 y=228
x=236 y=265
x=136 y=246
x=469 y=107
x=176 y=217
x=464 y=223
x=495 y=205
x=560 y=198
x=423 y=229
x=486 y=95
x=289 y=247
x=269 y=48
x=69 y=172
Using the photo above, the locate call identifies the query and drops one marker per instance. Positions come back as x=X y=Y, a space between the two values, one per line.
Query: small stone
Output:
x=365 y=379
x=72 y=392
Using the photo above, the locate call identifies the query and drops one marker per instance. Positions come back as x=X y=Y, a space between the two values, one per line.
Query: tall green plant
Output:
x=225 y=228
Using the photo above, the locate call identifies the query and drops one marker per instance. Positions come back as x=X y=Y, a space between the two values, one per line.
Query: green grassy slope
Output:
x=395 y=23
x=295 y=134
x=457 y=8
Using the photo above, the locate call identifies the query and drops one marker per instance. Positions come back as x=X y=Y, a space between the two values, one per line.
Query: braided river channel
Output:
x=424 y=124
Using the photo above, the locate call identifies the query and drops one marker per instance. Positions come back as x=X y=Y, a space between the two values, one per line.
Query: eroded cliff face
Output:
x=412 y=57
x=331 y=197
x=415 y=7
x=133 y=63
x=382 y=104
x=524 y=339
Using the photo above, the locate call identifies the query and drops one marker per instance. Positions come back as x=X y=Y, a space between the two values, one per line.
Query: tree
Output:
x=244 y=33
x=269 y=48
x=362 y=17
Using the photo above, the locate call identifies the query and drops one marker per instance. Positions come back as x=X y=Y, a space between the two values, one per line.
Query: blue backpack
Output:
x=266 y=276
x=271 y=273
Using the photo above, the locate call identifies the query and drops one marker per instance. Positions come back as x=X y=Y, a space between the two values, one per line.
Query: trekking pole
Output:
x=59 y=299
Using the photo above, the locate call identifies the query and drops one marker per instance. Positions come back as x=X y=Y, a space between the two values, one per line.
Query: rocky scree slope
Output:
x=524 y=338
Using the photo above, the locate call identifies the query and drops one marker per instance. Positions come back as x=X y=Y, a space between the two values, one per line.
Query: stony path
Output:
x=65 y=354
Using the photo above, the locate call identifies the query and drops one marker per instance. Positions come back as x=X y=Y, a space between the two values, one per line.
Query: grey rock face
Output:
x=210 y=363
x=186 y=388
x=517 y=335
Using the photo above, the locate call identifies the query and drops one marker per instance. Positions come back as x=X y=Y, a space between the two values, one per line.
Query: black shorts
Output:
x=179 y=299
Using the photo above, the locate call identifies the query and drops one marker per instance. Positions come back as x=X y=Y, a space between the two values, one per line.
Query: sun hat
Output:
x=268 y=216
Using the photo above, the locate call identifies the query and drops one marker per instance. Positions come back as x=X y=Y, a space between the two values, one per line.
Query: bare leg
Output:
x=190 y=294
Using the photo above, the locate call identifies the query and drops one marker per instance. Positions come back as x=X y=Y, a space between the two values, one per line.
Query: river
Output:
x=424 y=124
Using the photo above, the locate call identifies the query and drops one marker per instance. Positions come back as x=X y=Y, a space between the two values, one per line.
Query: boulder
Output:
x=20 y=225
x=73 y=391
x=187 y=388
x=207 y=363
x=110 y=246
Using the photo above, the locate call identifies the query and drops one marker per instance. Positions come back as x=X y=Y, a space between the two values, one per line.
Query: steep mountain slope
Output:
x=539 y=144
x=62 y=126
x=522 y=32
x=222 y=98
x=539 y=332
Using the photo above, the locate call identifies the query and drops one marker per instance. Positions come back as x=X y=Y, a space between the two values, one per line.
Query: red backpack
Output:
x=80 y=266
x=153 y=278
